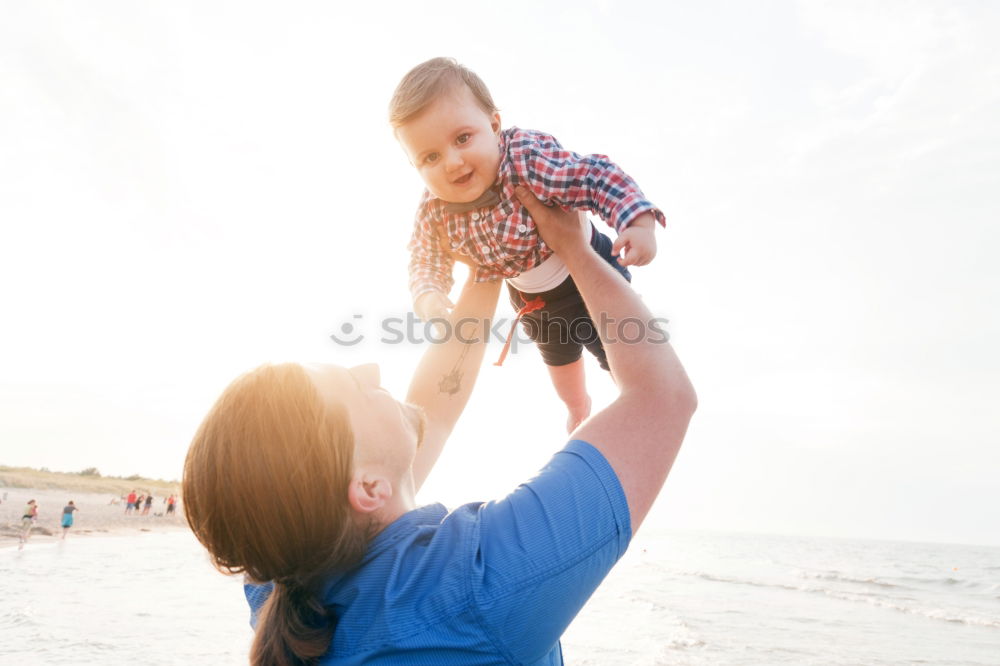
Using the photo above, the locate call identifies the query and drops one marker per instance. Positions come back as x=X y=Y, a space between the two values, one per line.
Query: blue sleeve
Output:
x=545 y=548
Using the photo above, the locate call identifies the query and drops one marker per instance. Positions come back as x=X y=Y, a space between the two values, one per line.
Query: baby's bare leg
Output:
x=571 y=385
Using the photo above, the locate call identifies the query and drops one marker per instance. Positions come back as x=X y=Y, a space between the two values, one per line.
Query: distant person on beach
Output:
x=171 y=504
x=130 y=503
x=367 y=576
x=28 y=519
x=67 y=517
x=148 y=504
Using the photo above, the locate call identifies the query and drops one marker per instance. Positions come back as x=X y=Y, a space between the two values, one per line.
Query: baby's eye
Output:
x=431 y=158
x=463 y=138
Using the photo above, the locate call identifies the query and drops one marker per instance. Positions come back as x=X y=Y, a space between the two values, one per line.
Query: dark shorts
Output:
x=563 y=327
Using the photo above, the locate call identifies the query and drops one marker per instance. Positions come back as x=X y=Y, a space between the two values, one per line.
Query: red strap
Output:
x=529 y=306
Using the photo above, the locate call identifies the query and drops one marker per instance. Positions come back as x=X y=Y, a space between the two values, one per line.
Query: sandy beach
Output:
x=98 y=514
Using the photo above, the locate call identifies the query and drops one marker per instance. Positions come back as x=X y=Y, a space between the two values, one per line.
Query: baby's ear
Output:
x=495 y=123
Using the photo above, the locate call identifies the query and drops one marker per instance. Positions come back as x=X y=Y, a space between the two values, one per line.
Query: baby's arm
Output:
x=591 y=182
x=430 y=274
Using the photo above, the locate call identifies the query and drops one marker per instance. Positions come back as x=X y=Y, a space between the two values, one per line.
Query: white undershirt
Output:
x=545 y=276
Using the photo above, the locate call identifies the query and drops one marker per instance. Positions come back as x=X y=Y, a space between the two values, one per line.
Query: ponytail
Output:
x=293 y=627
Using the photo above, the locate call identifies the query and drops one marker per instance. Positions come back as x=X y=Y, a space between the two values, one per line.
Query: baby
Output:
x=445 y=120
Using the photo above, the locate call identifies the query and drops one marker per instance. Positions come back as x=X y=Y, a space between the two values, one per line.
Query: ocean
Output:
x=675 y=598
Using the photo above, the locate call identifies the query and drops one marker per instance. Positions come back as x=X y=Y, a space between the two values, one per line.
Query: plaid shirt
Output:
x=502 y=240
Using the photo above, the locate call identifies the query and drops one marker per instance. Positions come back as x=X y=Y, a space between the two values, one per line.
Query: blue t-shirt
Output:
x=493 y=583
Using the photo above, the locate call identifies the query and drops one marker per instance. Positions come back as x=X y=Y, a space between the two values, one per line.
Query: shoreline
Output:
x=99 y=514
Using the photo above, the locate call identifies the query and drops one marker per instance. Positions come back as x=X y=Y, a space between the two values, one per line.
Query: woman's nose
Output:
x=368 y=374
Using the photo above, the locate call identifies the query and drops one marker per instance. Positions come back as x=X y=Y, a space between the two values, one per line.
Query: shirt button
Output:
x=475 y=217
x=487 y=250
x=522 y=228
x=454 y=243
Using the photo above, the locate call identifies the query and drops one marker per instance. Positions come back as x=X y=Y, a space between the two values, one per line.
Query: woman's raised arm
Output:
x=447 y=372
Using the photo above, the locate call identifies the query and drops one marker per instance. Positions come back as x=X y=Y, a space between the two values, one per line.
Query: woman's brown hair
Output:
x=428 y=80
x=265 y=491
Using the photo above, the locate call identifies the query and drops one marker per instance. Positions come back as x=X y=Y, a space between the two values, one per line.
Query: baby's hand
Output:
x=433 y=305
x=636 y=246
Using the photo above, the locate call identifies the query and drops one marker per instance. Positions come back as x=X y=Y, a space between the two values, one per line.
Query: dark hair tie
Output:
x=291 y=582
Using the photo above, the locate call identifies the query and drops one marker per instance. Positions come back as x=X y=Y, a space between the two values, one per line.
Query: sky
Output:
x=190 y=189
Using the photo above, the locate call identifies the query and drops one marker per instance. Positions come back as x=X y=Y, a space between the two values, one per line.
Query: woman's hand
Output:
x=562 y=230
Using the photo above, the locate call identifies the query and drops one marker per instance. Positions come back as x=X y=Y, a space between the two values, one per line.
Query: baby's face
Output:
x=454 y=145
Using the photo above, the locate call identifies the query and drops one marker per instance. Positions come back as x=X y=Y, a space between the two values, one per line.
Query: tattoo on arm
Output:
x=451 y=382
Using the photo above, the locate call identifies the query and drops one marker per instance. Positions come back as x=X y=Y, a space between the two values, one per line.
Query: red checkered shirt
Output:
x=502 y=240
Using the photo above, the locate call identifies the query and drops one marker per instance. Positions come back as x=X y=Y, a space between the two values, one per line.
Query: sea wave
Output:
x=18 y=617
x=844 y=578
x=954 y=616
x=940 y=614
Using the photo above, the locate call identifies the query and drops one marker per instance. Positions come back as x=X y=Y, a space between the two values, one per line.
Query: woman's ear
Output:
x=368 y=493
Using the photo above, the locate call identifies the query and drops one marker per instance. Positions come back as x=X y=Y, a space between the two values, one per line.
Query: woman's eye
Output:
x=463 y=138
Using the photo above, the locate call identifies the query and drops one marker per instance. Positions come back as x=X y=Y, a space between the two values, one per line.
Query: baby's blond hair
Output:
x=425 y=82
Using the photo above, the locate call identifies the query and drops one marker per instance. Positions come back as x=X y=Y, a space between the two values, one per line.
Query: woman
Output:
x=365 y=576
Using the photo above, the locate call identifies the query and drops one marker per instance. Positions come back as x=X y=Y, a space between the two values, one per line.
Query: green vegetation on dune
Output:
x=86 y=481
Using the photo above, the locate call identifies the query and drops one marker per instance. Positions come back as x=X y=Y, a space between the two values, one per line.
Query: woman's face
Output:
x=386 y=432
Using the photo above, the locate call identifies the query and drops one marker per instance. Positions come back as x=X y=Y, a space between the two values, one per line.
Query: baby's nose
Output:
x=453 y=159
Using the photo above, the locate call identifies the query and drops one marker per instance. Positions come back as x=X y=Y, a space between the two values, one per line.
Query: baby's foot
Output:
x=577 y=414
